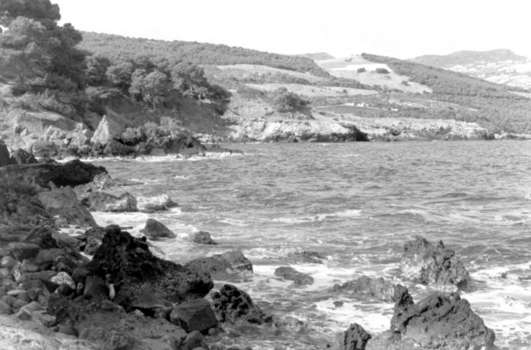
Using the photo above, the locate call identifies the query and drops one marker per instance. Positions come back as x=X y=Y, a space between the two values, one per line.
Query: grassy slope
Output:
x=115 y=46
x=498 y=107
x=468 y=57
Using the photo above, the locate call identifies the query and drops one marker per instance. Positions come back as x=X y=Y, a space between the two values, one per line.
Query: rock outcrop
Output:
x=156 y=230
x=355 y=338
x=203 y=237
x=194 y=315
x=102 y=201
x=155 y=203
x=5 y=157
x=434 y=265
x=366 y=287
x=63 y=204
x=290 y=274
x=233 y=305
x=229 y=266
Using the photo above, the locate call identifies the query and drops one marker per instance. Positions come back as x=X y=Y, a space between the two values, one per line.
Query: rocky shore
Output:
x=92 y=287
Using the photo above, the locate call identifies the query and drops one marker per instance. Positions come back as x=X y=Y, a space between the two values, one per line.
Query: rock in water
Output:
x=366 y=287
x=233 y=305
x=355 y=338
x=440 y=321
x=101 y=201
x=62 y=202
x=22 y=157
x=194 y=315
x=203 y=237
x=228 y=266
x=156 y=230
x=128 y=263
x=155 y=203
x=290 y=274
x=434 y=265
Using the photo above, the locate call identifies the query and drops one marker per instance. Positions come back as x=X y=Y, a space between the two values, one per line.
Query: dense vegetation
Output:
x=468 y=57
x=495 y=106
x=119 y=47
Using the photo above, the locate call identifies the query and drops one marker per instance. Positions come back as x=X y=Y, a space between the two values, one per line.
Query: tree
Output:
x=36 y=50
x=96 y=70
x=287 y=101
x=151 y=87
x=119 y=74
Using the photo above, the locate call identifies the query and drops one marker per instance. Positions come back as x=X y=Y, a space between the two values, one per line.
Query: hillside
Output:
x=498 y=66
x=115 y=47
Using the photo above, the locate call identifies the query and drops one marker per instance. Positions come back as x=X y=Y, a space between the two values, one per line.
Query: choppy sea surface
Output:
x=356 y=204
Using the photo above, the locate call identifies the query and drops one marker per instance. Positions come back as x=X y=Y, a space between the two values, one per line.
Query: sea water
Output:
x=356 y=204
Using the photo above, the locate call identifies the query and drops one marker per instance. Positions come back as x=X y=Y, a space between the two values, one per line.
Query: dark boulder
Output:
x=127 y=263
x=102 y=201
x=5 y=157
x=22 y=157
x=355 y=338
x=203 y=237
x=63 y=203
x=233 y=305
x=229 y=266
x=290 y=274
x=367 y=287
x=439 y=321
x=194 y=315
x=156 y=230
x=434 y=265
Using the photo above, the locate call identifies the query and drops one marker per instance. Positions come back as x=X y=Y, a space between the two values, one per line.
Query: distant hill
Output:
x=498 y=66
x=318 y=56
x=115 y=46
x=469 y=57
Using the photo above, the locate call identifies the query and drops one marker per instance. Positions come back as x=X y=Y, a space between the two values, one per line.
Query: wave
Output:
x=349 y=213
x=159 y=159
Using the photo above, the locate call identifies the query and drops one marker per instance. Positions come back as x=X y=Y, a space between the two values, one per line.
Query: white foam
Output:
x=349 y=213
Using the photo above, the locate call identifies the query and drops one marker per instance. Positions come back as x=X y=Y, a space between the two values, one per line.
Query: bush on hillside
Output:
x=287 y=101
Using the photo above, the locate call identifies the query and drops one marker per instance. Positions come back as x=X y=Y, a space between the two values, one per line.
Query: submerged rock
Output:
x=233 y=305
x=290 y=274
x=228 y=266
x=101 y=201
x=155 y=203
x=203 y=237
x=434 y=265
x=367 y=287
x=156 y=230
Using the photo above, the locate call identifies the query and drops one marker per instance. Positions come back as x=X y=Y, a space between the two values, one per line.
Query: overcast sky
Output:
x=399 y=28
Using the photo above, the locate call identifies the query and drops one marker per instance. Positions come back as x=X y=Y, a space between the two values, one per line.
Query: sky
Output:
x=398 y=28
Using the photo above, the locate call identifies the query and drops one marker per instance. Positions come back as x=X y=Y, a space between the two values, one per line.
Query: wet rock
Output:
x=367 y=287
x=290 y=274
x=233 y=305
x=5 y=309
x=193 y=341
x=101 y=201
x=355 y=338
x=5 y=157
x=72 y=173
x=22 y=250
x=439 y=321
x=62 y=278
x=194 y=315
x=22 y=157
x=156 y=230
x=63 y=203
x=432 y=264
x=203 y=237
x=155 y=203
x=127 y=263
x=228 y=266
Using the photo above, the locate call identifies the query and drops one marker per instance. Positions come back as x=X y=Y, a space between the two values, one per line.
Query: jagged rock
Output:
x=22 y=157
x=367 y=287
x=203 y=237
x=5 y=158
x=193 y=341
x=194 y=315
x=439 y=321
x=107 y=131
x=22 y=250
x=63 y=202
x=128 y=264
x=156 y=230
x=101 y=201
x=63 y=278
x=155 y=203
x=433 y=264
x=290 y=274
x=355 y=338
x=231 y=265
x=233 y=305
x=5 y=309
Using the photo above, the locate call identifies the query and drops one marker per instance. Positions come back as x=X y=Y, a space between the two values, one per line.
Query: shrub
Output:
x=287 y=101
